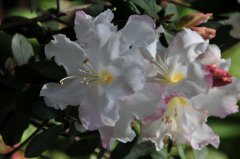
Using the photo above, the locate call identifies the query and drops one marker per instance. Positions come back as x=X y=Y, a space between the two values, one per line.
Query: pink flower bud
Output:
x=206 y=33
x=193 y=20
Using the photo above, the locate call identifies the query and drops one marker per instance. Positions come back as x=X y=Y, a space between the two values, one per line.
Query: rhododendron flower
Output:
x=99 y=66
x=181 y=116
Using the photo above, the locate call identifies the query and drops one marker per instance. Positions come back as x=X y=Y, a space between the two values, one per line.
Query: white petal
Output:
x=122 y=131
x=219 y=101
x=211 y=56
x=83 y=26
x=204 y=136
x=141 y=106
x=106 y=17
x=139 y=31
x=197 y=80
x=66 y=53
x=86 y=26
x=96 y=110
x=186 y=44
x=154 y=132
x=59 y=96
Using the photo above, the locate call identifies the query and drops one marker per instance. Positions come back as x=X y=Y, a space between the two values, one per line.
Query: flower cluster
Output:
x=118 y=76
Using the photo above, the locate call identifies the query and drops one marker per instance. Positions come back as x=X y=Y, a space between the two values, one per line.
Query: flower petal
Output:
x=59 y=96
x=122 y=131
x=185 y=46
x=97 y=110
x=197 y=81
x=140 y=105
x=66 y=53
x=86 y=26
x=139 y=31
x=219 y=101
x=204 y=136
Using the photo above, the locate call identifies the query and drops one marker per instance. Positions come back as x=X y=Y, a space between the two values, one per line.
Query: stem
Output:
x=27 y=140
x=58 y=5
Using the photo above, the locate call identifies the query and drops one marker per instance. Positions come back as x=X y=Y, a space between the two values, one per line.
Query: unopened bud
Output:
x=220 y=77
x=193 y=20
x=206 y=33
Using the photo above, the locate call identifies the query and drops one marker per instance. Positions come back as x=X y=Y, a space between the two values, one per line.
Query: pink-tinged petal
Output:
x=59 y=96
x=179 y=121
x=66 y=53
x=204 y=136
x=139 y=31
x=96 y=110
x=219 y=101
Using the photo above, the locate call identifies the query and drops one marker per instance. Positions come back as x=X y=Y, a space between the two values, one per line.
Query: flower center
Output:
x=177 y=77
x=164 y=75
x=170 y=116
x=106 y=77
x=177 y=101
x=91 y=77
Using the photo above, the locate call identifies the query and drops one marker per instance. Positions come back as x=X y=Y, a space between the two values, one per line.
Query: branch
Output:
x=8 y=155
x=43 y=18
x=22 y=23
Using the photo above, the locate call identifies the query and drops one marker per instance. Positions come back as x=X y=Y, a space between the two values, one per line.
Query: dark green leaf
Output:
x=40 y=72
x=149 y=6
x=171 y=10
x=43 y=141
x=141 y=149
x=42 y=111
x=22 y=49
x=24 y=26
x=96 y=7
x=213 y=6
x=83 y=147
x=14 y=128
x=122 y=150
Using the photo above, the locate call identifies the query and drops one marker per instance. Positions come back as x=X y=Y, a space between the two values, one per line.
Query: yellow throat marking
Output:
x=178 y=101
x=106 y=77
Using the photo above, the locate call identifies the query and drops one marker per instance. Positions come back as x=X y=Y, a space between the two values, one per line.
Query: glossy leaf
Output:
x=43 y=141
x=22 y=49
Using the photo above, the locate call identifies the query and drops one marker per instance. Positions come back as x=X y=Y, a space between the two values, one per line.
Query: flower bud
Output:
x=193 y=20
x=206 y=33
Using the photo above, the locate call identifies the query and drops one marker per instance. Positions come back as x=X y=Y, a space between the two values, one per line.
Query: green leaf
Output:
x=42 y=111
x=43 y=141
x=172 y=9
x=140 y=150
x=14 y=127
x=82 y=147
x=22 y=49
x=149 y=6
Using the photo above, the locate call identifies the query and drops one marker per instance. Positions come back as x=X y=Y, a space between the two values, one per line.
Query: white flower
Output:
x=99 y=71
x=184 y=107
x=179 y=122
